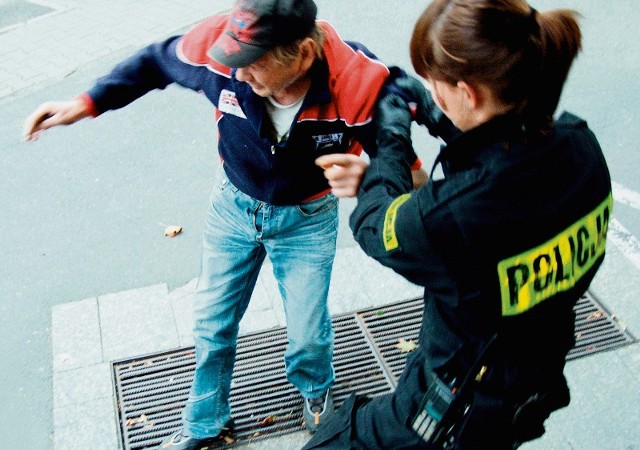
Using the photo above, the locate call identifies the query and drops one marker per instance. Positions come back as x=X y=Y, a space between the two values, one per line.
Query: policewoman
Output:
x=504 y=244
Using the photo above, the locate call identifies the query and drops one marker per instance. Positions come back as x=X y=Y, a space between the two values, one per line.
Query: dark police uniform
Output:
x=504 y=246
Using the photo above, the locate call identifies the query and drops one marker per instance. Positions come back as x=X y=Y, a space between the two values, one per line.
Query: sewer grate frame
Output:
x=151 y=390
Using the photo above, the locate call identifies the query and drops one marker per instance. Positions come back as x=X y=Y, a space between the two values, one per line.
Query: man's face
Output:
x=269 y=77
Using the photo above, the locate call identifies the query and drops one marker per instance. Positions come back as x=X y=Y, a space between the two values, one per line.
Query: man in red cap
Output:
x=287 y=89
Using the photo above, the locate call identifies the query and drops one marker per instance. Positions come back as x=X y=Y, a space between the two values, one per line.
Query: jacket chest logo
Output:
x=228 y=103
x=327 y=140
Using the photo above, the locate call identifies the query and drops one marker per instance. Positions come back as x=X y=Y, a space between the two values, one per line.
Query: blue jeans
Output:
x=239 y=233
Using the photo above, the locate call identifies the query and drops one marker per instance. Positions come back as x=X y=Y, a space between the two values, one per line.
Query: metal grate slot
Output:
x=152 y=390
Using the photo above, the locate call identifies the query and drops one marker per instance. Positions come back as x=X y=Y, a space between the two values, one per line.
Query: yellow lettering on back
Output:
x=557 y=265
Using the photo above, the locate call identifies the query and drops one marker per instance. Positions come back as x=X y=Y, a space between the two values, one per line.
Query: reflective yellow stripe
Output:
x=389 y=230
x=555 y=266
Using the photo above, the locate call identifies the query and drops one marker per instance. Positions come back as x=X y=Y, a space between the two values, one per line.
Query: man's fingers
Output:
x=336 y=159
x=343 y=171
x=51 y=114
x=36 y=122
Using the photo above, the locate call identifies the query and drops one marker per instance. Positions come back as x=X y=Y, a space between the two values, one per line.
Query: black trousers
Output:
x=491 y=422
x=379 y=423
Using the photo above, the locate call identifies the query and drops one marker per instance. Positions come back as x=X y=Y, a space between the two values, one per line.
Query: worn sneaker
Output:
x=180 y=441
x=317 y=411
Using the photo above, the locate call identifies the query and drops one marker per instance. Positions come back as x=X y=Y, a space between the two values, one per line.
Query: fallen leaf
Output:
x=142 y=419
x=172 y=231
x=228 y=439
x=406 y=346
x=268 y=421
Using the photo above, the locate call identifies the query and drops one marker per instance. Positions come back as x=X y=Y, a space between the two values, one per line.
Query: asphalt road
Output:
x=82 y=211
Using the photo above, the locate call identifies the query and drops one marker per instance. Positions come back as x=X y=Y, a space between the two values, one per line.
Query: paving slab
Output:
x=75 y=335
x=136 y=322
x=87 y=425
x=181 y=301
x=81 y=385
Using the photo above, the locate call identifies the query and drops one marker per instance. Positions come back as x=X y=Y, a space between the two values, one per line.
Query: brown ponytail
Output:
x=559 y=42
x=523 y=55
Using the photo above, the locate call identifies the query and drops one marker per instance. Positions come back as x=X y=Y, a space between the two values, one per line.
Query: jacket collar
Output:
x=464 y=149
x=319 y=89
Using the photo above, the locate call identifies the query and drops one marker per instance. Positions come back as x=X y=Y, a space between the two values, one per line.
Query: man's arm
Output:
x=387 y=204
x=388 y=138
x=153 y=67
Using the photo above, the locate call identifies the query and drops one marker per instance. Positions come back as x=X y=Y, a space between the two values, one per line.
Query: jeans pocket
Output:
x=221 y=185
x=222 y=182
x=315 y=207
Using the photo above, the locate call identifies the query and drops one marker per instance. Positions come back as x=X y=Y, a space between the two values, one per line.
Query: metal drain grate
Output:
x=152 y=390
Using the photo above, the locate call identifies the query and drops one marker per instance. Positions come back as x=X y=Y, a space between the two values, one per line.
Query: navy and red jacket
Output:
x=335 y=117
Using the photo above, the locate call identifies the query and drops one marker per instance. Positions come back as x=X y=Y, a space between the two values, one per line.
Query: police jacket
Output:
x=335 y=116
x=504 y=244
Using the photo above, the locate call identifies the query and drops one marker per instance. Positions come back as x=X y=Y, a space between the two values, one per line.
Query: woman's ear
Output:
x=472 y=96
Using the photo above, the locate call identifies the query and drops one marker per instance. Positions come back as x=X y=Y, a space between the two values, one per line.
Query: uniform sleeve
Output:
x=391 y=229
x=154 y=67
x=391 y=219
x=387 y=221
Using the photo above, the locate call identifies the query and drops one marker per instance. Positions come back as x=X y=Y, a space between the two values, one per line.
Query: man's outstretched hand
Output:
x=51 y=114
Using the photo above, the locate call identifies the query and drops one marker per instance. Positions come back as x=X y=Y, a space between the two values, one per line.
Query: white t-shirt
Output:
x=282 y=115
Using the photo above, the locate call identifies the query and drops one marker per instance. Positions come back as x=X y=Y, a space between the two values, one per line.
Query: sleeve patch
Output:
x=389 y=230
